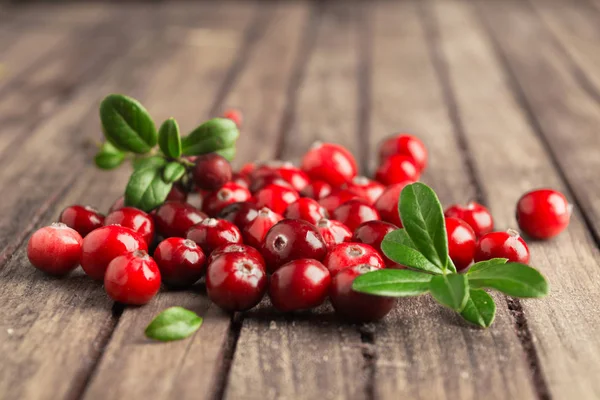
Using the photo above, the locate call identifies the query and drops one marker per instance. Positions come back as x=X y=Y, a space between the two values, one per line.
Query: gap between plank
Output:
x=233 y=335
x=369 y=353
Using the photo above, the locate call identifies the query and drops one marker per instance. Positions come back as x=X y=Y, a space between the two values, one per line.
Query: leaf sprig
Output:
x=422 y=246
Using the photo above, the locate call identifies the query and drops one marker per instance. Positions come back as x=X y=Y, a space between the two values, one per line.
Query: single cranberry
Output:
x=177 y=193
x=355 y=306
x=316 y=190
x=543 y=213
x=247 y=169
x=255 y=231
x=211 y=171
x=264 y=180
x=329 y=162
x=235 y=115
x=373 y=233
x=264 y=169
x=55 y=249
x=345 y=255
x=135 y=219
x=507 y=244
x=406 y=145
x=354 y=212
x=336 y=199
x=236 y=281
x=397 y=169
x=307 y=209
x=237 y=248
x=132 y=278
x=365 y=188
x=291 y=239
x=333 y=232
x=212 y=233
x=387 y=203
x=174 y=219
x=276 y=197
x=299 y=285
x=240 y=179
x=83 y=219
x=241 y=214
x=229 y=193
x=104 y=244
x=118 y=204
x=461 y=242
x=477 y=216
x=181 y=261
x=293 y=175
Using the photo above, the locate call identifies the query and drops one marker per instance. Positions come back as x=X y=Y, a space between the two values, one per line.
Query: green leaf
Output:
x=450 y=290
x=127 y=124
x=513 y=279
x=398 y=247
x=482 y=265
x=212 y=136
x=146 y=188
x=174 y=323
x=392 y=283
x=109 y=157
x=173 y=172
x=228 y=153
x=480 y=309
x=169 y=139
x=423 y=219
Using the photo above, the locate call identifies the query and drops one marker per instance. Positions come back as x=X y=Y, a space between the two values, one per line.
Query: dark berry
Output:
x=174 y=219
x=299 y=285
x=211 y=171
x=255 y=231
x=212 y=233
x=181 y=262
x=83 y=219
x=228 y=194
x=373 y=233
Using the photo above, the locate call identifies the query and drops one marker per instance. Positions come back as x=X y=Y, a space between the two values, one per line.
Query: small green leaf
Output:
x=173 y=172
x=109 y=157
x=513 y=279
x=228 y=153
x=217 y=134
x=399 y=248
x=174 y=323
x=482 y=265
x=480 y=309
x=450 y=290
x=392 y=283
x=127 y=124
x=146 y=188
x=169 y=139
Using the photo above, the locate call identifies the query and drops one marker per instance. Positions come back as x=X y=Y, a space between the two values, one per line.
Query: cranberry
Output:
x=345 y=255
x=387 y=203
x=174 y=219
x=461 y=242
x=543 y=213
x=255 y=231
x=135 y=219
x=406 y=145
x=316 y=190
x=240 y=179
x=307 y=209
x=229 y=193
x=355 y=306
x=293 y=175
x=55 y=249
x=235 y=115
x=299 y=285
x=276 y=197
x=291 y=239
x=397 y=169
x=333 y=232
x=211 y=171
x=247 y=169
x=265 y=180
x=336 y=199
x=104 y=244
x=236 y=281
x=373 y=233
x=118 y=204
x=212 y=233
x=365 y=188
x=132 y=278
x=237 y=248
x=177 y=193
x=354 y=212
x=477 y=216
x=330 y=163
x=181 y=261
x=502 y=245
x=241 y=214
x=83 y=219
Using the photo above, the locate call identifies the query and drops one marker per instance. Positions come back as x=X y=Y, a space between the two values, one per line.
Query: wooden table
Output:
x=506 y=95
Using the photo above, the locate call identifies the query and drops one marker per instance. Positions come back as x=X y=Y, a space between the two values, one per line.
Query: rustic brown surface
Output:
x=506 y=96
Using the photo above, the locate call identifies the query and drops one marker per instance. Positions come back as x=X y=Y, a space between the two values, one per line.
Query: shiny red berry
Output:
x=355 y=306
x=135 y=219
x=247 y=169
x=329 y=162
x=104 y=244
x=345 y=255
x=276 y=197
x=264 y=180
x=475 y=215
x=543 y=213
x=229 y=193
x=235 y=115
x=299 y=285
x=240 y=179
x=316 y=190
x=132 y=278
x=507 y=244
x=174 y=219
x=255 y=231
x=211 y=171
x=237 y=248
x=365 y=188
x=333 y=232
x=461 y=242
x=83 y=219
x=212 y=233
x=307 y=209
x=406 y=145
x=55 y=249
x=373 y=233
x=239 y=213
x=396 y=169
x=297 y=178
x=354 y=212
x=181 y=262
x=336 y=199
x=387 y=203
x=177 y=193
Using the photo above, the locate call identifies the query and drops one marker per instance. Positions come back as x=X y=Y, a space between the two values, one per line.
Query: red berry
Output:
x=477 y=216
x=397 y=169
x=461 y=242
x=237 y=248
x=373 y=233
x=229 y=193
x=247 y=169
x=235 y=115
x=211 y=171
x=240 y=179
x=354 y=212
x=118 y=204
x=329 y=162
x=293 y=175
x=265 y=180
x=174 y=219
x=255 y=231
x=387 y=203
x=55 y=249
x=365 y=188
x=345 y=255
x=83 y=219
x=241 y=214
x=135 y=219
x=212 y=233
x=543 y=213
x=104 y=244
x=276 y=197
x=406 y=145
x=299 y=285
x=292 y=239
x=355 y=306
x=307 y=209
x=132 y=278
x=236 y=281
x=316 y=190
x=177 y=193
x=336 y=199
x=333 y=232
x=181 y=261
x=507 y=244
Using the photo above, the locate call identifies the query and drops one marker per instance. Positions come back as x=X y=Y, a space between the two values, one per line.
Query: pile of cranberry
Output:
x=300 y=234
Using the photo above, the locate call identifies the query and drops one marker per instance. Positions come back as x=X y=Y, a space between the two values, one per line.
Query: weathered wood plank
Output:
x=423 y=350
